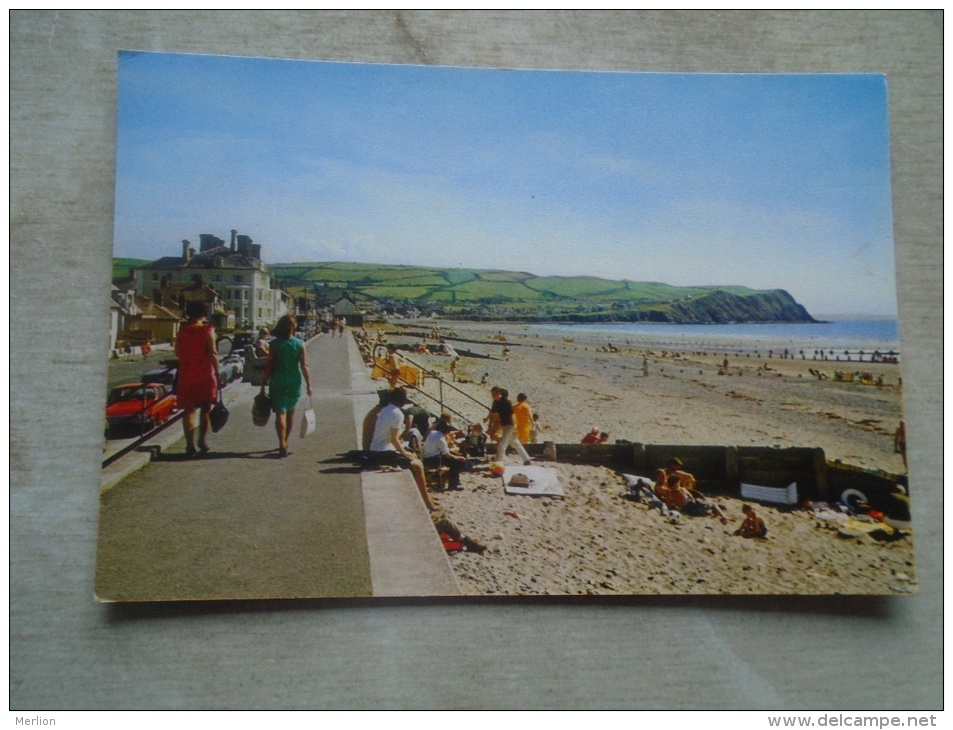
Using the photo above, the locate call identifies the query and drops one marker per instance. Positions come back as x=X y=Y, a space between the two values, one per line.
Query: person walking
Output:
x=197 y=378
x=287 y=363
x=504 y=409
x=392 y=366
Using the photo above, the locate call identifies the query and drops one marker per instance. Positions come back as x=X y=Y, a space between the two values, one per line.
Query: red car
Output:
x=140 y=405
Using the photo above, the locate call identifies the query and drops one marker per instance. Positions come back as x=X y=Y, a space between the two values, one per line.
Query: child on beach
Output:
x=536 y=430
x=753 y=526
x=474 y=444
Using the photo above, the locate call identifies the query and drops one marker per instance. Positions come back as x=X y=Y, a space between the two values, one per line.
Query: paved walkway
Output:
x=244 y=523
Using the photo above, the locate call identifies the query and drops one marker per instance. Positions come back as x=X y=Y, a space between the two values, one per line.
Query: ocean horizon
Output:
x=850 y=335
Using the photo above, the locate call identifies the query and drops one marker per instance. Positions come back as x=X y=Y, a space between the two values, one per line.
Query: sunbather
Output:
x=685 y=480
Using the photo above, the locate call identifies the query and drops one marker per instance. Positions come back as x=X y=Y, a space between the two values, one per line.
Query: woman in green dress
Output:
x=287 y=363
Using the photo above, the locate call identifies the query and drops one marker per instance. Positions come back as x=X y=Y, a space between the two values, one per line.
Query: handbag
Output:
x=309 y=421
x=261 y=410
x=218 y=416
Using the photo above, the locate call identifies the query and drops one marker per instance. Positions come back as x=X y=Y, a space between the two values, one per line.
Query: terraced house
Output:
x=231 y=278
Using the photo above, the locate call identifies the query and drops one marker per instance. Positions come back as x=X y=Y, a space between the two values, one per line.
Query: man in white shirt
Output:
x=386 y=448
x=437 y=453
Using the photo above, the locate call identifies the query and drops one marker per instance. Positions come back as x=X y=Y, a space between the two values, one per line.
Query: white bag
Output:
x=309 y=420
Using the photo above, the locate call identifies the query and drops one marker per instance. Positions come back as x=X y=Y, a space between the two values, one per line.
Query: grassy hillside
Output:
x=122 y=268
x=521 y=295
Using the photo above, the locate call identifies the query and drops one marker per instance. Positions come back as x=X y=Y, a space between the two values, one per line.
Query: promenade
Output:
x=243 y=523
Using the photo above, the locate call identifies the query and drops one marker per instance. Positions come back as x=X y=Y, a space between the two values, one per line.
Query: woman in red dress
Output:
x=197 y=383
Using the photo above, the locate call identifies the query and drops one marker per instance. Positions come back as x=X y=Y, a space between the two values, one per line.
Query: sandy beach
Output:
x=594 y=540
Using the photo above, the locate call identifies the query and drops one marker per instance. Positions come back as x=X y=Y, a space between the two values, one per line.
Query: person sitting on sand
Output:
x=417 y=417
x=668 y=490
x=454 y=435
x=437 y=453
x=753 y=526
x=685 y=480
x=592 y=437
x=445 y=526
x=682 y=488
x=474 y=444
x=413 y=439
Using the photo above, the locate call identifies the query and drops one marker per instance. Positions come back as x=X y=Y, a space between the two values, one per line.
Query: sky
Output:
x=764 y=180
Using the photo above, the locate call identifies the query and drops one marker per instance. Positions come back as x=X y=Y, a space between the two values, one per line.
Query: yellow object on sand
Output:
x=410 y=374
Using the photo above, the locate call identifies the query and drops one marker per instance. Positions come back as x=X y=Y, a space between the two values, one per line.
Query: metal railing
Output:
x=439 y=398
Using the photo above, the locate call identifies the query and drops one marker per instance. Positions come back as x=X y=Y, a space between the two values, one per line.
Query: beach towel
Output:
x=543 y=481
x=633 y=482
x=854 y=528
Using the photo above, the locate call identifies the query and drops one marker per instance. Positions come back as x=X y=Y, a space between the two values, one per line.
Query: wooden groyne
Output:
x=723 y=469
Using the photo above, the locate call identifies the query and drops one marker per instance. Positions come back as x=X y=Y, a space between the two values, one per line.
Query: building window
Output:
x=216 y=277
x=238 y=278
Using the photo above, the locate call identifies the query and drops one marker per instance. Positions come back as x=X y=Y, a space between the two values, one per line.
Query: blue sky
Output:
x=768 y=181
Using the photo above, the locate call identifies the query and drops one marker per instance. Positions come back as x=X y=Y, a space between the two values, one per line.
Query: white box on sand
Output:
x=774 y=495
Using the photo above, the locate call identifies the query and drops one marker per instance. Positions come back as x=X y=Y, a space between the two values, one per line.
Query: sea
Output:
x=835 y=338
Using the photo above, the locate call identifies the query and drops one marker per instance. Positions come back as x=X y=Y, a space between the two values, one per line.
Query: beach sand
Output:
x=594 y=540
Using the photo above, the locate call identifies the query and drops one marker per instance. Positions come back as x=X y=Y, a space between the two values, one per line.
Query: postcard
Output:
x=383 y=330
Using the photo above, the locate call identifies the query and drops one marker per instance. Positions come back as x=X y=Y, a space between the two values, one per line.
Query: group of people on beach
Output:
x=675 y=492
x=399 y=435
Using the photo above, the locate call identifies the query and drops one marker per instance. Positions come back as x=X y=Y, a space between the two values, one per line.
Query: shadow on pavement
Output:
x=351 y=458
x=182 y=456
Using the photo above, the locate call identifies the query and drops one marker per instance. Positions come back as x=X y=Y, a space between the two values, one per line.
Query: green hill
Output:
x=122 y=268
x=513 y=295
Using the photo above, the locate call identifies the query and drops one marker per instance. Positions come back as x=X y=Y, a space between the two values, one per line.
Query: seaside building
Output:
x=231 y=278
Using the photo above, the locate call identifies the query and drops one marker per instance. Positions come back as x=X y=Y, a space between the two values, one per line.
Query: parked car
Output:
x=239 y=360
x=242 y=340
x=140 y=405
x=165 y=375
x=229 y=368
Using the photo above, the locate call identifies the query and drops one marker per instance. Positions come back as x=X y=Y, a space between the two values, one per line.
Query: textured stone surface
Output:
x=67 y=652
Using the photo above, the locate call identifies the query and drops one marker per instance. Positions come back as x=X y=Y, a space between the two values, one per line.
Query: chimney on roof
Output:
x=186 y=250
x=256 y=251
x=234 y=233
x=208 y=241
x=244 y=245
